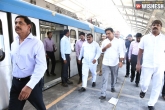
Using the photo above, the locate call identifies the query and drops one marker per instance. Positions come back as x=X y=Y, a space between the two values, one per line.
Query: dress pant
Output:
x=163 y=90
x=53 y=61
x=79 y=66
x=65 y=67
x=156 y=75
x=106 y=71
x=35 y=98
x=133 y=69
x=127 y=65
x=85 y=72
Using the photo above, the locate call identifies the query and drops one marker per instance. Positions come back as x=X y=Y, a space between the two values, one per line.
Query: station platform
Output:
x=69 y=98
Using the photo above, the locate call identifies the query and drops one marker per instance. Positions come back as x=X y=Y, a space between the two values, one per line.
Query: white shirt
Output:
x=28 y=59
x=154 y=50
x=111 y=55
x=65 y=46
x=90 y=52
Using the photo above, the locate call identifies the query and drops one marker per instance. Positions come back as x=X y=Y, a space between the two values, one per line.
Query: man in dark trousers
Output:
x=132 y=55
x=29 y=65
x=65 y=47
x=50 y=48
x=127 y=45
x=78 y=47
x=163 y=90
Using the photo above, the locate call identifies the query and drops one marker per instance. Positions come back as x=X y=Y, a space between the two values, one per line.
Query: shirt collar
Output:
x=160 y=34
x=30 y=36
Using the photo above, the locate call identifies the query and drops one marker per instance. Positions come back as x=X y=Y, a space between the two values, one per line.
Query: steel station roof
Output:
x=118 y=14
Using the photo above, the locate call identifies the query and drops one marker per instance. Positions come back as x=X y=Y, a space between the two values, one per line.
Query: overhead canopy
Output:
x=27 y=9
x=119 y=14
x=98 y=30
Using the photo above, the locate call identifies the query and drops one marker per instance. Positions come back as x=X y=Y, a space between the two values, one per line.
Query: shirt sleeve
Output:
x=102 y=46
x=62 y=45
x=130 y=50
x=77 y=50
x=40 y=65
x=98 y=51
x=141 y=44
x=81 y=52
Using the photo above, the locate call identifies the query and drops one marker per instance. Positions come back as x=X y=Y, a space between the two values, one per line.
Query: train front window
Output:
x=73 y=39
x=33 y=29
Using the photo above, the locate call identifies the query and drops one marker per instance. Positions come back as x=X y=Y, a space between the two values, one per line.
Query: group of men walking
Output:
x=29 y=66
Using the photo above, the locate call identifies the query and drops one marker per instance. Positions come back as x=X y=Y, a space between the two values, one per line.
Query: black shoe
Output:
x=47 y=73
x=82 y=89
x=102 y=97
x=137 y=85
x=54 y=74
x=126 y=76
x=112 y=89
x=163 y=96
x=131 y=80
x=64 y=84
x=151 y=108
x=69 y=82
x=142 y=94
x=93 y=84
x=80 y=81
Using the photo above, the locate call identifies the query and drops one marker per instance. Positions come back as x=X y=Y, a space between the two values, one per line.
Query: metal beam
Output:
x=53 y=1
x=137 y=25
x=136 y=16
x=138 y=21
x=129 y=7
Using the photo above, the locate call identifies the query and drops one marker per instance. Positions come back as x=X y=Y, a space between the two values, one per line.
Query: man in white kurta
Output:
x=90 y=52
x=153 y=48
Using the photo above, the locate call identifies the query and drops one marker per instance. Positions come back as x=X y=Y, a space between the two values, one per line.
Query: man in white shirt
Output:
x=132 y=55
x=152 y=46
x=91 y=52
x=29 y=66
x=65 y=47
x=122 y=42
x=112 y=49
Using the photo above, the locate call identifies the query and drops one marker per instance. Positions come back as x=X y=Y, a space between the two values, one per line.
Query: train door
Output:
x=57 y=31
x=35 y=26
x=73 y=62
x=5 y=62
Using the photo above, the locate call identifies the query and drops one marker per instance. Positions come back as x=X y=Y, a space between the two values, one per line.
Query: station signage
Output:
x=149 y=5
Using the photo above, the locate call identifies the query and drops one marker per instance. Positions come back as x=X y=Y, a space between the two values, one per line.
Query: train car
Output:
x=43 y=20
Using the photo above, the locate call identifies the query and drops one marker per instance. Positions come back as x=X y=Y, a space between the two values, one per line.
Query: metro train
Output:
x=43 y=20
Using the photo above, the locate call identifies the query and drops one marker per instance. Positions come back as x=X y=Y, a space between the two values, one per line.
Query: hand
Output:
x=65 y=61
x=79 y=61
x=138 y=67
x=109 y=45
x=47 y=56
x=120 y=64
x=25 y=93
x=129 y=60
x=94 y=61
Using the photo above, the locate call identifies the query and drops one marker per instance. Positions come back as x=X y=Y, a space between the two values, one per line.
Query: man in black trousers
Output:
x=65 y=47
x=29 y=65
x=127 y=45
x=50 y=48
